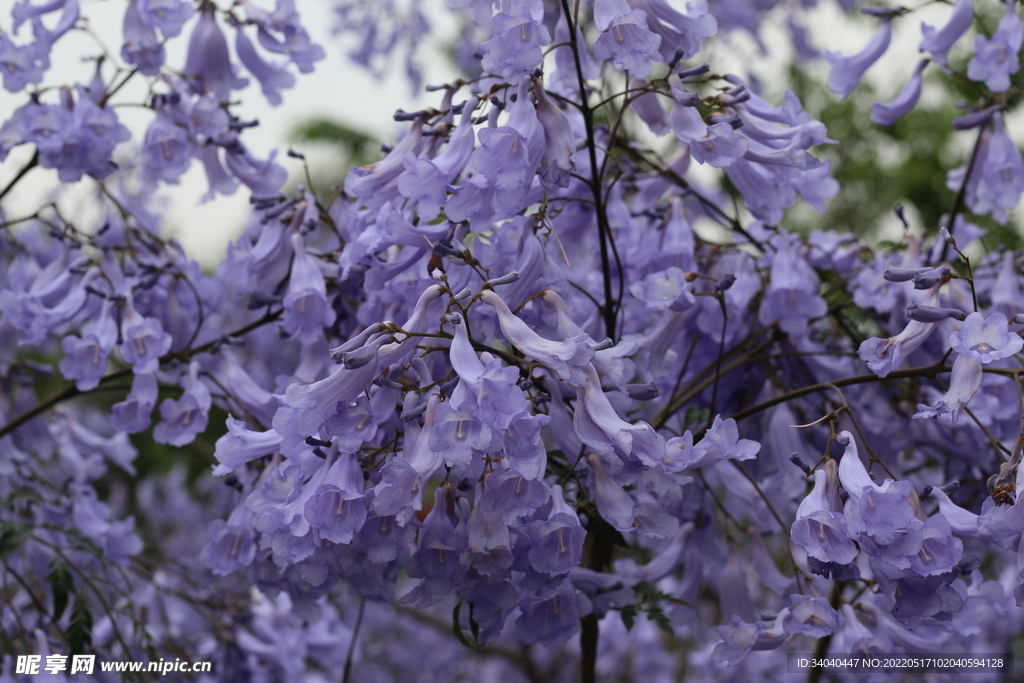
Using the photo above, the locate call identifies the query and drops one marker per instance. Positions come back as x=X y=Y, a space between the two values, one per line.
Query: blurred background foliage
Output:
x=877 y=167
x=331 y=148
x=907 y=163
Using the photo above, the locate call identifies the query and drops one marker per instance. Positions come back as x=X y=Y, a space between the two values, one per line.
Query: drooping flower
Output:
x=565 y=358
x=885 y=355
x=272 y=77
x=964 y=382
x=985 y=339
x=792 y=297
x=515 y=49
x=166 y=15
x=86 y=358
x=888 y=114
x=719 y=146
x=133 y=414
x=186 y=417
x=306 y=309
x=624 y=37
x=559 y=158
x=141 y=45
x=143 y=340
x=820 y=527
x=21 y=65
x=995 y=59
x=997 y=182
x=681 y=32
x=209 y=65
x=847 y=71
x=938 y=42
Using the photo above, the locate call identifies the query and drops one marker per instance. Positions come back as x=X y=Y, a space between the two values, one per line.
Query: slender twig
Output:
x=821 y=647
x=73 y=391
x=925 y=371
x=603 y=229
x=961 y=195
x=702 y=381
x=718 y=361
x=32 y=163
x=352 y=643
x=116 y=88
x=872 y=457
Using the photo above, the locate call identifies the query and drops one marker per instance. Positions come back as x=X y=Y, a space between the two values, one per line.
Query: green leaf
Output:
x=473 y=626
x=696 y=416
x=457 y=629
x=662 y=620
x=12 y=535
x=323 y=130
x=80 y=630
x=61 y=585
x=629 y=616
x=642 y=589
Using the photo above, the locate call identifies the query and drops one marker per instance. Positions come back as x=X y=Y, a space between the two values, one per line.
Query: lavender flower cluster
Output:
x=529 y=379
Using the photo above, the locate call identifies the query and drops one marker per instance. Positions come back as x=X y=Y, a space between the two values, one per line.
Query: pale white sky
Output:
x=335 y=90
x=339 y=90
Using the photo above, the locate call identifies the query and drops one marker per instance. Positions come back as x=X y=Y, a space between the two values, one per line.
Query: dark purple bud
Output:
x=272 y=213
x=742 y=97
x=356 y=341
x=888 y=12
x=968 y=565
x=413 y=413
x=506 y=279
x=408 y=115
x=727 y=281
x=360 y=357
x=445 y=249
x=259 y=300
x=37 y=367
x=686 y=99
x=389 y=383
x=265 y=201
x=898 y=209
x=642 y=392
x=902 y=274
x=295 y=155
x=932 y=314
x=795 y=459
x=675 y=60
x=693 y=71
x=975 y=118
x=930 y=278
x=945 y=488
